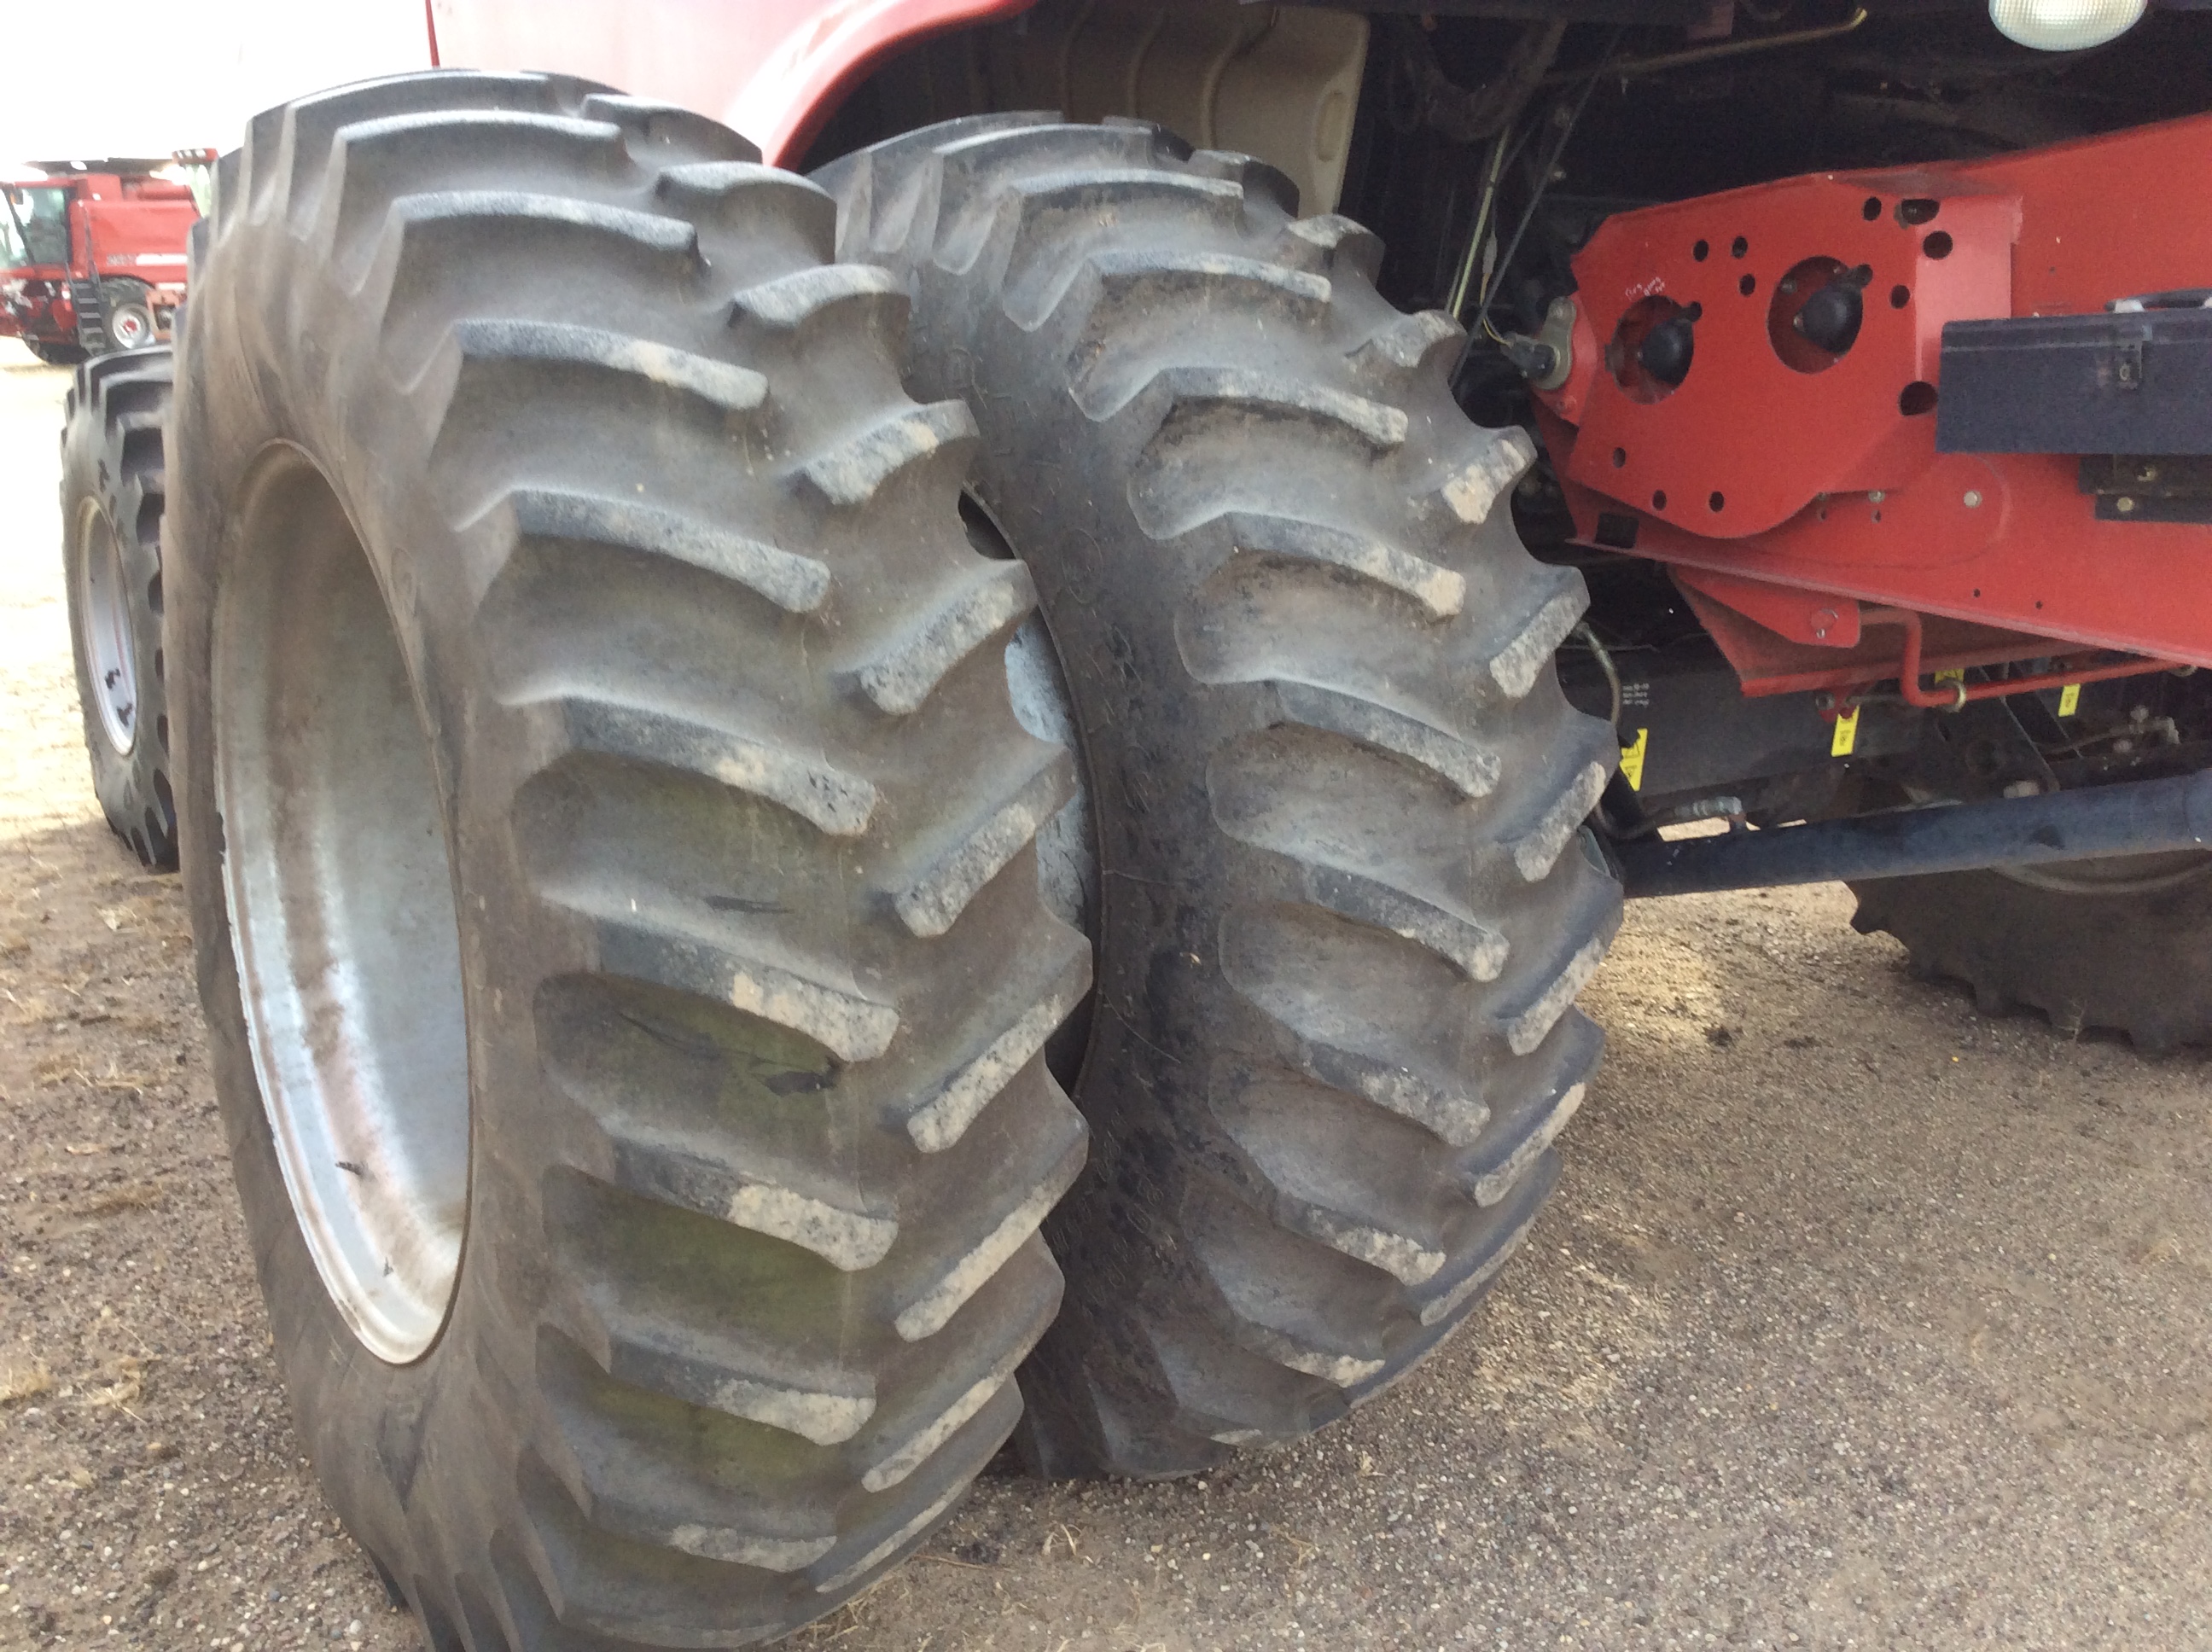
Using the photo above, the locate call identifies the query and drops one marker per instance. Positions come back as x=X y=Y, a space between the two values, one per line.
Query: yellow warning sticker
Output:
x=1956 y=674
x=1631 y=760
x=1847 y=734
x=2069 y=699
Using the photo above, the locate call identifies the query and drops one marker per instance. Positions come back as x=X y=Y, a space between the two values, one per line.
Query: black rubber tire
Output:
x=112 y=483
x=2133 y=961
x=1347 y=897
x=127 y=299
x=56 y=355
x=726 y=1342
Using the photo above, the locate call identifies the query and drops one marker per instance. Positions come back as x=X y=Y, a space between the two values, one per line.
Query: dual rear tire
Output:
x=1344 y=897
x=613 y=838
x=114 y=491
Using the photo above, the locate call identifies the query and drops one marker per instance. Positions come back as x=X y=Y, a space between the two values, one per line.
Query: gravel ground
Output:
x=1859 y=1320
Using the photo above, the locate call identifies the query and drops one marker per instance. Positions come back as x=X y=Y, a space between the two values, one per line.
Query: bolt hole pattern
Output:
x=1937 y=245
x=1917 y=211
x=1659 y=499
x=1747 y=286
x=1718 y=502
x=1701 y=251
x=1917 y=398
x=1620 y=458
x=1738 y=247
x=1872 y=210
x=1900 y=297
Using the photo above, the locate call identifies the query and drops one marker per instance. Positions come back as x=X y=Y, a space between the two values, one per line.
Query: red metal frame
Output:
x=2082 y=668
x=1796 y=493
x=774 y=69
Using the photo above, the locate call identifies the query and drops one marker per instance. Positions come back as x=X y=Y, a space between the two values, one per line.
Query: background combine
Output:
x=92 y=254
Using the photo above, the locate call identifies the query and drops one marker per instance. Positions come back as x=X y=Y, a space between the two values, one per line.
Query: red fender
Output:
x=774 y=69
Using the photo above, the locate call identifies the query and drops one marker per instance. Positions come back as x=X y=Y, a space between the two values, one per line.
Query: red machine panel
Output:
x=1778 y=460
x=772 y=69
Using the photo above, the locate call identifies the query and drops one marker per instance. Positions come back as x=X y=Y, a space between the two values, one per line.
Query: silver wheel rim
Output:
x=128 y=328
x=107 y=611
x=1067 y=844
x=1066 y=849
x=340 y=894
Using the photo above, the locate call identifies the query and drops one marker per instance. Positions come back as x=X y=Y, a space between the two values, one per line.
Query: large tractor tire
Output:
x=625 y=983
x=2121 y=945
x=112 y=495
x=1344 y=897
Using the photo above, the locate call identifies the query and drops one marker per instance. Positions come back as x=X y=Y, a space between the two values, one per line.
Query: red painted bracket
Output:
x=1786 y=469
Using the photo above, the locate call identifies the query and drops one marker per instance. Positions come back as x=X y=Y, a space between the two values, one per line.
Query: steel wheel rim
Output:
x=129 y=327
x=107 y=611
x=338 y=884
x=1036 y=683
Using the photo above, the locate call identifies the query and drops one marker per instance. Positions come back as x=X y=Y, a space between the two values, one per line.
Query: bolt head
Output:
x=1974 y=498
x=2124 y=505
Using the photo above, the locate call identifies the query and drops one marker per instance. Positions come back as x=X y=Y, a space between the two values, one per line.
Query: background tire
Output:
x=56 y=355
x=112 y=496
x=575 y=677
x=130 y=314
x=2121 y=944
x=1345 y=900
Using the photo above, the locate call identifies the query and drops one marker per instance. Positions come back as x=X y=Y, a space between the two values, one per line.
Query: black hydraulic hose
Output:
x=1551 y=164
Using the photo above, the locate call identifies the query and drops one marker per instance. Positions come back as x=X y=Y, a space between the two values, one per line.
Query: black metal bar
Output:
x=2132 y=382
x=2138 y=817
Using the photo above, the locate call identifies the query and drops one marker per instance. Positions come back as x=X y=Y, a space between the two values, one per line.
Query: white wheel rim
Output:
x=340 y=894
x=106 y=606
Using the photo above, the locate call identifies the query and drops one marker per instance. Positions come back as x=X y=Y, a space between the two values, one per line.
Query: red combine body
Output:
x=92 y=255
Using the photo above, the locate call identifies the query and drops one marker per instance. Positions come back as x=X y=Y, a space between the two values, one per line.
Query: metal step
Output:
x=91 y=315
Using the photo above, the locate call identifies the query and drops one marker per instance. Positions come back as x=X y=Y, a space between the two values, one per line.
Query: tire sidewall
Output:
x=83 y=502
x=367 y=1424
x=92 y=488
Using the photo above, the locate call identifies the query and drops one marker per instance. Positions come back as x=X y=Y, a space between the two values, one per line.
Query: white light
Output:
x=2065 y=25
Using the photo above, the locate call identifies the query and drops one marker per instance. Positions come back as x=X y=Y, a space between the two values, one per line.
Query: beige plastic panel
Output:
x=1280 y=82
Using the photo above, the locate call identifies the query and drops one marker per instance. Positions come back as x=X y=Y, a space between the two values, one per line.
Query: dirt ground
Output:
x=1858 y=1321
